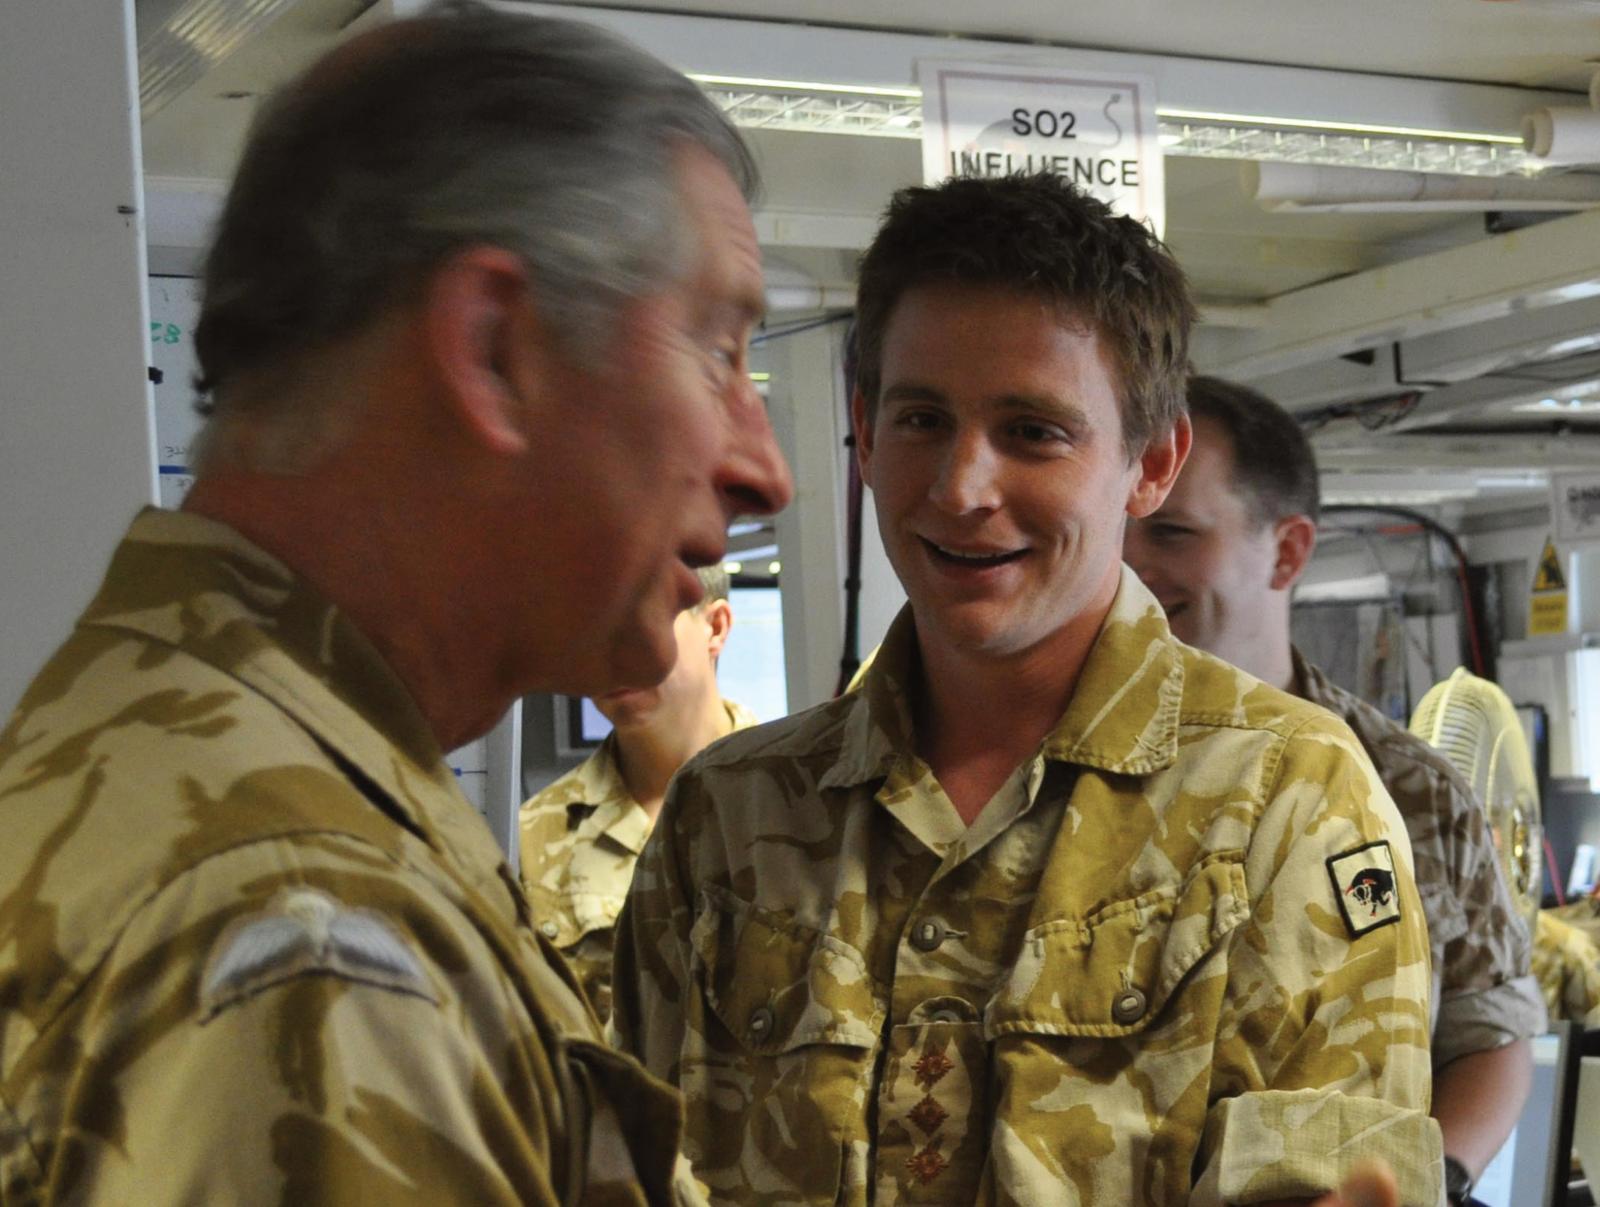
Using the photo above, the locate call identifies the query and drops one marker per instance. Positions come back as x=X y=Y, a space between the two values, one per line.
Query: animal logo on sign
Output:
x=1373 y=888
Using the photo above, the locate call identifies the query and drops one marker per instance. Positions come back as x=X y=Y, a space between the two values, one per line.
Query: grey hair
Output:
x=549 y=138
x=714 y=584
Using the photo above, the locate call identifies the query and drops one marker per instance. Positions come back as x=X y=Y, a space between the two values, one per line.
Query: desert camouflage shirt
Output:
x=581 y=837
x=255 y=947
x=1179 y=953
x=1567 y=963
x=1582 y=913
x=1484 y=994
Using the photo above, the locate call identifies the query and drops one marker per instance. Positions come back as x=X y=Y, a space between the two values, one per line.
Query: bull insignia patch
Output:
x=1364 y=885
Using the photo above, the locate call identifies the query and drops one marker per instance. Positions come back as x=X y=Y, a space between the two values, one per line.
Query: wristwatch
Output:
x=1457 y=1182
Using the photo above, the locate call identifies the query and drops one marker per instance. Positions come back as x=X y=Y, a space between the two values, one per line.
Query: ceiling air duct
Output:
x=1313 y=188
x=1564 y=134
x=181 y=40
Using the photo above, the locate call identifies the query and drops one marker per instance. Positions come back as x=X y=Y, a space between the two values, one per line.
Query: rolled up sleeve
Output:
x=1322 y=1054
x=1481 y=1020
x=1279 y=1144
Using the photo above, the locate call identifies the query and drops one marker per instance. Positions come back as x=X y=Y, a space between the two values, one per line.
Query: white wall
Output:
x=77 y=453
x=806 y=403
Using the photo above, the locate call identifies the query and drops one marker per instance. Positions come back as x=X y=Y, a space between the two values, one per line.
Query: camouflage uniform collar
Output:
x=601 y=799
x=601 y=795
x=1123 y=716
x=196 y=585
x=739 y=716
x=1311 y=684
x=877 y=730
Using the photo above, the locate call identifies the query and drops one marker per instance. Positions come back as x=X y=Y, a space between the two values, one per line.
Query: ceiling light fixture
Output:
x=1333 y=127
x=1560 y=406
x=760 y=84
x=811 y=106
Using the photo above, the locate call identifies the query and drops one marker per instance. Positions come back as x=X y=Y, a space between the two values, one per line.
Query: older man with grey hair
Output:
x=478 y=307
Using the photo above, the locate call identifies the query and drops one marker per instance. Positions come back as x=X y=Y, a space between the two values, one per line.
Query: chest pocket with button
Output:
x=776 y=1077
x=1109 y=1021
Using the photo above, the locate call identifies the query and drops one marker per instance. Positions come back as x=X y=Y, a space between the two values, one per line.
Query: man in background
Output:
x=1053 y=908
x=1566 y=963
x=1222 y=554
x=582 y=834
x=478 y=305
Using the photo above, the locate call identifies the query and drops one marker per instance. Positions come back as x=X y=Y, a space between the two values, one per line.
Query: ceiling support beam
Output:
x=1488 y=453
x=1554 y=262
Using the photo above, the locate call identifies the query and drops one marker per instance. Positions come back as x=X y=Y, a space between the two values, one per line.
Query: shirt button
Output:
x=1128 y=1007
x=761 y=1022
x=548 y=929
x=927 y=935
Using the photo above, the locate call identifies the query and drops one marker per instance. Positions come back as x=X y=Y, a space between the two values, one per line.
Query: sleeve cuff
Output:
x=1276 y=1144
x=1480 y=1020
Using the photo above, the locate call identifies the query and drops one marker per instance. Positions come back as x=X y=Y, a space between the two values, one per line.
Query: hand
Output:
x=1370 y=1184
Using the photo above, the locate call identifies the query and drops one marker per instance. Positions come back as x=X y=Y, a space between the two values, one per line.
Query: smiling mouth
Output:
x=974 y=561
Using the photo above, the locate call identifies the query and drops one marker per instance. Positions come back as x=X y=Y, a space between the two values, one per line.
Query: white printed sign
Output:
x=1095 y=129
x=174 y=307
x=1575 y=508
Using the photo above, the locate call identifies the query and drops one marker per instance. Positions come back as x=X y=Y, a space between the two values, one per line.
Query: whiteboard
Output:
x=174 y=307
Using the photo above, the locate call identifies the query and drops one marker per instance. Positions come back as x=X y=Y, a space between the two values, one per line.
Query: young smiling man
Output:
x=1054 y=909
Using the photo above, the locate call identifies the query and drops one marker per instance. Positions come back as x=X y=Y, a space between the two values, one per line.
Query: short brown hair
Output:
x=1274 y=469
x=1039 y=235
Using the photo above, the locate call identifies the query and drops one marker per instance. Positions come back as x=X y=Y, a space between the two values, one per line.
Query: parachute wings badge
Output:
x=1364 y=886
x=304 y=931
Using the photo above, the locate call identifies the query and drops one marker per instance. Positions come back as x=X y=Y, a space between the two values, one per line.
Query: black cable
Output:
x=772 y=333
x=850 y=656
x=1477 y=637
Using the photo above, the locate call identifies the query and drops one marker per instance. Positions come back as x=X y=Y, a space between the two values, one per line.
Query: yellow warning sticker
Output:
x=1547 y=603
x=1549 y=577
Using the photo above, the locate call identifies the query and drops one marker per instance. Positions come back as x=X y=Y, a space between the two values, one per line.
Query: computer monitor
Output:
x=751 y=671
x=580 y=727
x=1531 y=1169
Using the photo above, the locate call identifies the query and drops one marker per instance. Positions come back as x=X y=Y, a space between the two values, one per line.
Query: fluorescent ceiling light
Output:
x=1561 y=406
x=1368 y=586
x=814 y=106
x=758 y=84
x=1409 y=498
x=1532 y=479
x=1332 y=127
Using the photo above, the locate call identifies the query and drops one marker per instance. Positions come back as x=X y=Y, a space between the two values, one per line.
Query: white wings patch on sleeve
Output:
x=366 y=942
x=305 y=932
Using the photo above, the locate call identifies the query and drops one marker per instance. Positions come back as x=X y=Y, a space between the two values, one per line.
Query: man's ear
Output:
x=1296 y=538
x=861 y=424
x=719 y=619
x=1159 y=465
x=482 y=338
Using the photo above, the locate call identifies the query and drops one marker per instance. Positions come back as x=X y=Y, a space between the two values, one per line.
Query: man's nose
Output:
x=755 y=478
x=967 y=479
